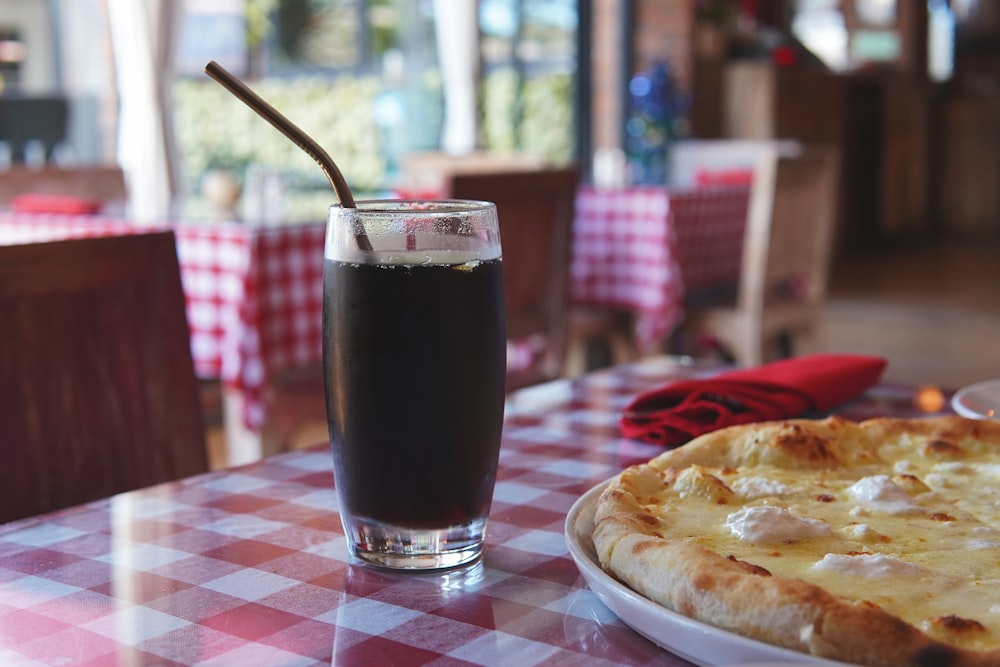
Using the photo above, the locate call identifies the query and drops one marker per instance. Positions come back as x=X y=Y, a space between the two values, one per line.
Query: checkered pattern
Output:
x=624 y=256
x=35 y=227
x=709 y=225
x=254 y=296
x=249 y=565
x=644 y=248
x=255 y=303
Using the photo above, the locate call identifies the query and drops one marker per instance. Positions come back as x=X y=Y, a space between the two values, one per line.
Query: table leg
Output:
x=242 y=444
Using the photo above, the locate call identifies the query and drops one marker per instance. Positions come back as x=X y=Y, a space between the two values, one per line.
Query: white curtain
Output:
x=142 y=35
x=457 y=29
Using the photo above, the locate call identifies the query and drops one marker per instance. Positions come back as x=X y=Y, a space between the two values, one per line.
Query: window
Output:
x=362 y=77
x=851 y=34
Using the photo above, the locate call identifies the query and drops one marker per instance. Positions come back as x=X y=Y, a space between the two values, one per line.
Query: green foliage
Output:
x=294 y=20
x=499 y=119
x=258 y=20
x=547 y=128
x=543 y=123
x=214 y=129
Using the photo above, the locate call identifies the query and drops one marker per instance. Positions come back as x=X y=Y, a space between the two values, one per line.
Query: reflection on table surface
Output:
x=248 y=565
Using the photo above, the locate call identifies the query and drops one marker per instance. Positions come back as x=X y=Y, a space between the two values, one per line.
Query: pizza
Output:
x=873 y=543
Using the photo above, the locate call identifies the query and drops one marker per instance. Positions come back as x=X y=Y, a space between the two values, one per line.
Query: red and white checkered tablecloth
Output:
x=248 y=566
x=624 y=255
x=709 y=224
x=255 y=303
x=646 y=248
x=254 y=295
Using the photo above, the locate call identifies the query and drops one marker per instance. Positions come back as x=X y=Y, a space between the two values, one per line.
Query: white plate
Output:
x=692 y=640
x=979 y=401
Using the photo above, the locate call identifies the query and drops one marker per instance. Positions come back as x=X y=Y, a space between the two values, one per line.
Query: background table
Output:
x=254 y=294
x=708 y=225
x=248 y=566
x=645 y=249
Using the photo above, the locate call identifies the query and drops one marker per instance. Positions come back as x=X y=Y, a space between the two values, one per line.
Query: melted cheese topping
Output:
x=774 y=525
x=906 y=521
x=873 y=566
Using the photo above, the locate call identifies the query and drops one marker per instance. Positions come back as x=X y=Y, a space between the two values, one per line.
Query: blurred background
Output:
x=908 y=90
x=399 y=91
x=363 y=77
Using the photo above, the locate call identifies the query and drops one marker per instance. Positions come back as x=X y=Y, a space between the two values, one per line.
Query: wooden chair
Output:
x=786 y=258
x=536 y=220
x=98 y=391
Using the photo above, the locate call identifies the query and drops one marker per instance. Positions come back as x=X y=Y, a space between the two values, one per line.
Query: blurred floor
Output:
x=933 y=310
x=297 y=416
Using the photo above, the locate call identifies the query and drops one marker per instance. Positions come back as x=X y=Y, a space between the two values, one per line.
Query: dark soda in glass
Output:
x=415 y=359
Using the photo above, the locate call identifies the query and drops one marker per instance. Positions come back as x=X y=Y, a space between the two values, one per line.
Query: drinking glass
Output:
x=414 y=357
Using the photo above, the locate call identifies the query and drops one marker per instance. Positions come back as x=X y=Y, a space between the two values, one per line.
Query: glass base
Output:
x=413 y=548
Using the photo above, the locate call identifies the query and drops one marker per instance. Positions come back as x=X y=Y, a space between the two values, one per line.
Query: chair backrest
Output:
x=709 y=226
x=97 y=387
x=535 y=209
x=789 y=235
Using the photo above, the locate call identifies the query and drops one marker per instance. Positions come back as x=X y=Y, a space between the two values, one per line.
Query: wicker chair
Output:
x=786 y=258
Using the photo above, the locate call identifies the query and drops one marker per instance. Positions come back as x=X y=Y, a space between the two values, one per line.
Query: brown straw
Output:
x=293 y=132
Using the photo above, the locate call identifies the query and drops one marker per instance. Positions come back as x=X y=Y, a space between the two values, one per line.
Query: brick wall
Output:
x=663 y=31
x=607 y=61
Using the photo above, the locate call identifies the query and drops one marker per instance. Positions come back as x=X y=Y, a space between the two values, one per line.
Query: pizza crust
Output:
x=640 y=540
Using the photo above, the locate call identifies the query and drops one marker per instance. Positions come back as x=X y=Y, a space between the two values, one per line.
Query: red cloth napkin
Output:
x=34 y=202
x=675 y=413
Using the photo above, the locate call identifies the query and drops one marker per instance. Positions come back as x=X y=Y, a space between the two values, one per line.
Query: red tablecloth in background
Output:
x=643 y=248
x=624 y=256
x=255 y=303
x=254 y=295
